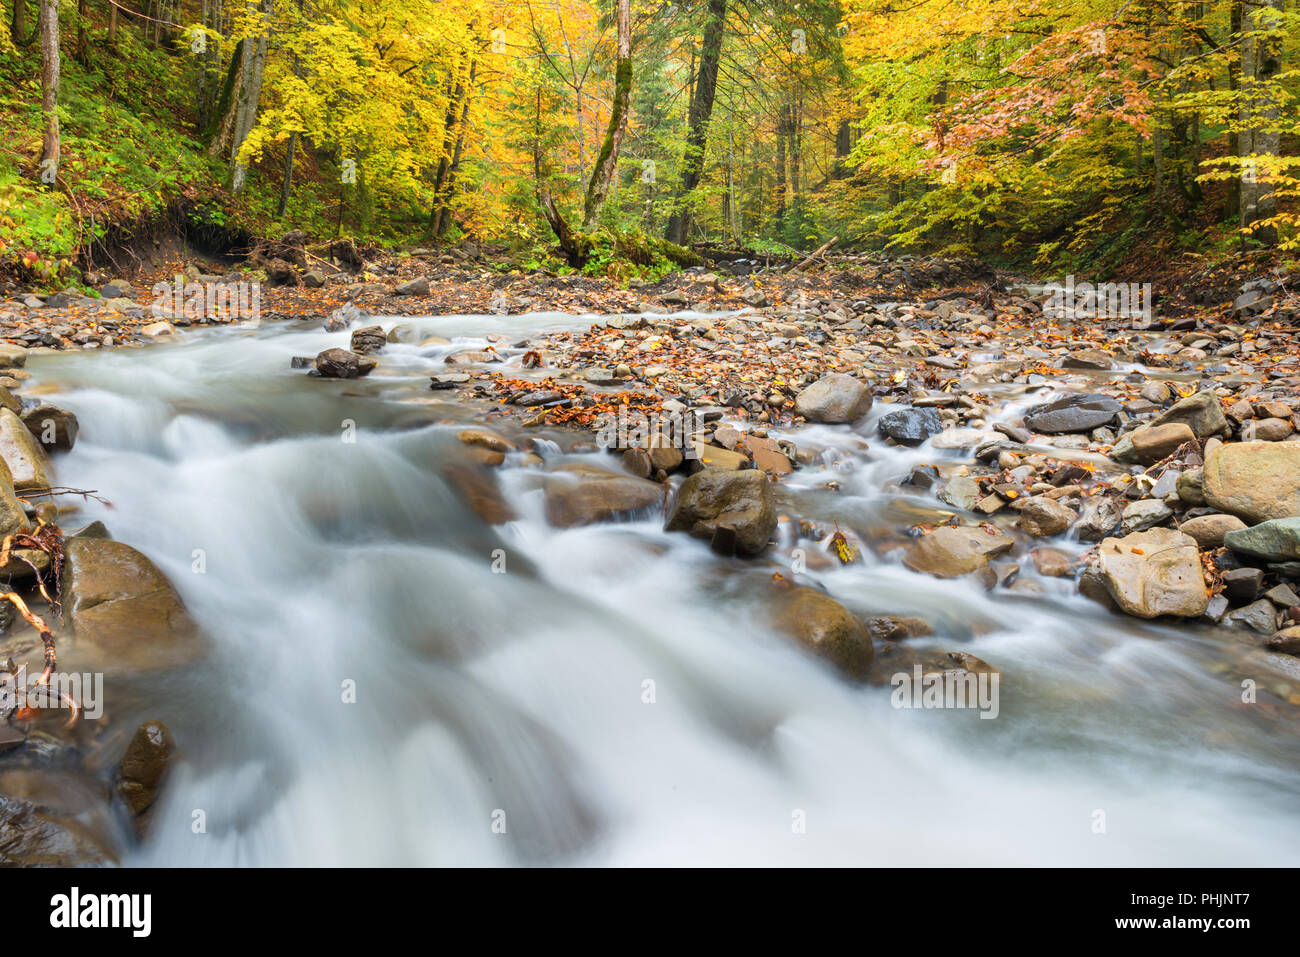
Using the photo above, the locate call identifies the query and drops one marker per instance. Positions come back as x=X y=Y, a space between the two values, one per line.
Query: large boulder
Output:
x=12 y=516
x=1073 y=413
x=734 y=511
x=836 y=398
x=583 y=494
x=1255 y=480
x=27 y=462
x=1277 y=540
x=1154 y=573
x=827 y=628
x=952 y=550
x=123 y=610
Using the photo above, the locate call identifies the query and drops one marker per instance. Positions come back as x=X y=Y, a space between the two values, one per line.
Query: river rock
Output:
x=13 y=518
x=733 y=510
x=1259 y=616
x=368 y=341
x=582 y=494
x=910 y=426
x=950 y=551
x=1151 y=443
x=412 y=287
x=54 y=428
x=1209 y=530
x=1191 y=487
x=1277 y=540
x=1286 y=641
x=1141 y=515
x=11 y=356
x=836 y=398
x=35 y=836
x=1097 y=519
x=342 y=364
x=479 y=488
x=1073 y=413
x=27 y=463
x=145 y=764
x=121 y=606
x=1256 y=480
x=1154 y=573
x=962 y=492
x=828 y=629
x=1043 y=517
x=1202 y=413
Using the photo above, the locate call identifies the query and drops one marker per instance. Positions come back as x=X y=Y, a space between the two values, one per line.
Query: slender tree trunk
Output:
x=222 y=124
x=49 y=23
x=706 y=87
x=444 y=210
x=250 y=92
x=1261 y=61
x=781 y=145
x=18 y=24
x=112 y=24
x=287 y=184
x=602 y=174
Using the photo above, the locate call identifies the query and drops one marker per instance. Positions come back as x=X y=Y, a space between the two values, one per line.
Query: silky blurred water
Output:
x=614 y=694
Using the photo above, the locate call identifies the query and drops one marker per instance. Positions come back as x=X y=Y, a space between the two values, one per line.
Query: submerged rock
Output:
x=583 y=494
x=122 y=608
x=828 y=629
x=950 y=551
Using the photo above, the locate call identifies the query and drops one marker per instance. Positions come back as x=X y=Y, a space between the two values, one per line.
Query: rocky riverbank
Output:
x=71 y=790
x=1152 y=462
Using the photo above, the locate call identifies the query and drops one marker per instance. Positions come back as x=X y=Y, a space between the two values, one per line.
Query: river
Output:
x=392 y=681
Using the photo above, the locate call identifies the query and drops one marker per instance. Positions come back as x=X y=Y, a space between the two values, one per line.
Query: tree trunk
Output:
x=287 y=185
x=250 y=92
x=18 y=24
x=222 y=123
x=706 y=86
x=112 y=24
x=1261 y=62
x=602 y=174
x=49 y=23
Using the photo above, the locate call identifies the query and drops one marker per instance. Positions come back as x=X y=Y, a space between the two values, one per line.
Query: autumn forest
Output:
x=1033 y=132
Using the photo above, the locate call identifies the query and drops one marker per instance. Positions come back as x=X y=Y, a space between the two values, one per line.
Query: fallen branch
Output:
x=821 y=251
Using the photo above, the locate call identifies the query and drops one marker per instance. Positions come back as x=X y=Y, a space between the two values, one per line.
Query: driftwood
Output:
x=821 y=251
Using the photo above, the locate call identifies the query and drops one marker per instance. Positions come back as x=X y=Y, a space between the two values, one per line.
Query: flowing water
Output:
x=609 y=694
